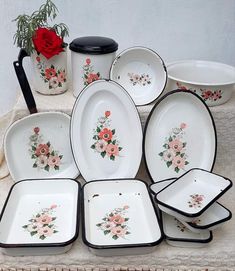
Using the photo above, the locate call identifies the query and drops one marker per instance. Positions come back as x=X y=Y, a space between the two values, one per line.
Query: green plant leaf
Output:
x=106 y=232
x=115 y=237
x=98 y=129
x=114 y=142
x=168 y=163
x=99 y=224
x=103 y=154
x=126 y=219
x=119 y=148
x=177 y=169
x=25 y=226
x=61 y=156
x=128 y=232
x=53 y=153
x=32 y=233
x=55 y=231
x=113 y=131
x=35 y=165
x=182 y=155
x=56 y=167
x=93 y=146
x=112 y=157
x=184 y=144
x=170 y=139
x=42 y=237
x=33 y=148
x=47 y=168
x=95 y=137
x=186 y=162
x=161 y=154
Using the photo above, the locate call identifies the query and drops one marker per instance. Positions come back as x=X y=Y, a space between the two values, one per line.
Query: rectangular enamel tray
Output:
x=40 y=217
x=191 y=194
x=119 y=218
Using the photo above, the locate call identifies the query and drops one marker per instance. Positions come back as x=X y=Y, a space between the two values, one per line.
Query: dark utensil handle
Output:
x=23 y=81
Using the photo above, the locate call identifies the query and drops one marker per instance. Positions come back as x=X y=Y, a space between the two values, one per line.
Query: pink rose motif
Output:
x=92 y=77
x=179 y=162
x=181 y=86
x=42 y=149
x=61 y=77
x=107 y=114
x=54 y=161
x=34 y=227
x=112 y=150
x=119 y=231
x=53 y=206
x=199 y=198
x=101 y=145
x=117 y=219
x=46 y=231
x=49 y=73
x=88 y=61
x=53 y=82
x=41 y=161
x=36 y=130
x=176 y=145
x=108 y=226
x=168 y=155
x=125 y=207
x=44 y=219
x=183 y=125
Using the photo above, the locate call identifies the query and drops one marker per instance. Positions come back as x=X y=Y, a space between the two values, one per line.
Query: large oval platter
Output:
x=38 y=146
x=179 y=135
x=106 y=132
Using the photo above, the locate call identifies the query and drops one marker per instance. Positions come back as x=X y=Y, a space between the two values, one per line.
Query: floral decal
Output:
x=180 y=226
x=206 y=94
x=54 y=77
x=196 y=221
x=174 y=153
x=42 y=224
x=115 y=223
x=105 y=140
x=196 y=201
x=43 y=154
x=89 y=75
x=142 y=79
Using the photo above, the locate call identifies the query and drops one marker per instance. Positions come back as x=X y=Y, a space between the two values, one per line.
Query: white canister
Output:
x=91 y=59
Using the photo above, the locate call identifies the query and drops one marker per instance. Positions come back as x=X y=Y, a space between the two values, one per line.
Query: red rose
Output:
x=38 y=59
x=107 y=114
x=88 y=61
x=47 y=42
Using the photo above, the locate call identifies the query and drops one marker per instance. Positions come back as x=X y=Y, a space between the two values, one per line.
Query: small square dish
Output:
x=191 y=194
x=119 y=218
x=40 y=217
x=212 y=218
x=176 y=234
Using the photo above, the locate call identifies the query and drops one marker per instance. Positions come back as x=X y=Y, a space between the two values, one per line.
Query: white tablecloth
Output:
x=218 y=255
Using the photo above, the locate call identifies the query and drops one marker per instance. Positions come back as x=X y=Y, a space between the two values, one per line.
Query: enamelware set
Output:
x=103 y=140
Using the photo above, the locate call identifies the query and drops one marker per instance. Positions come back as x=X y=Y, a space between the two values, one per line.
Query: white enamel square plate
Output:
x=179 y=135
x=119 y=218
x=106 y=132
x=190 y=195
x=40 y=217
x=176 y=234
x=214 y=217
x=38 y=146
x=142 y=72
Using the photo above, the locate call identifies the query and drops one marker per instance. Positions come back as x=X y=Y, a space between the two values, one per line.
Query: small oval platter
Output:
x=142 y=72
x=180 y=134
x=39 y=146
x=106 y=132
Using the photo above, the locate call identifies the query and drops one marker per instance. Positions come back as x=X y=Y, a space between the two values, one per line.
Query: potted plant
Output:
x=46 y=47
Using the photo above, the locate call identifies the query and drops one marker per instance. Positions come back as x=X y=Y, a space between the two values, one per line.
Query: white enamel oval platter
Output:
x=38 y=146
x=179 y=135
x=106 y=132
x=141 y=72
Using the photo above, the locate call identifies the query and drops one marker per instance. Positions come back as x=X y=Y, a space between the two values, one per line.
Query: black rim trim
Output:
x=32 y=116
x=205 y=207
x=118 y=246
x=203 y=227
x=72 y=117
x=165 y=180
x=32 y=245
x=151 y=113
x=210 y=238
x=163 y=64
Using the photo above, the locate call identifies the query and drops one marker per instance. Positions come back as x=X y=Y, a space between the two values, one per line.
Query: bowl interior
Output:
x=201 y=72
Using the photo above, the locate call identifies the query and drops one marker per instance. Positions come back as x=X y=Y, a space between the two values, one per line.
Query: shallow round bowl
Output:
x=212 y=81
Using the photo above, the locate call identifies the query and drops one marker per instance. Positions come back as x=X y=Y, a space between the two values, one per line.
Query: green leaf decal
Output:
x=168 y=163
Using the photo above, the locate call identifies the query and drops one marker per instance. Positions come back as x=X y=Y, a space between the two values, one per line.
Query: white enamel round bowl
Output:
x=106 y=132
x=179 y=135
x=213 y=82
x=38 y=146
x=141 y=72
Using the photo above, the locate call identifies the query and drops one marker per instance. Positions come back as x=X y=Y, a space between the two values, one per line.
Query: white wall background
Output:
x=176 y=29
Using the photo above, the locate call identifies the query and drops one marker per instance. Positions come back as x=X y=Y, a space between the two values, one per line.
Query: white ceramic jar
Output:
x=91 y=59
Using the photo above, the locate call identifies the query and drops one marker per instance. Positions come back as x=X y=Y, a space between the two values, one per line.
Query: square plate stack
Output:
x=189 y=206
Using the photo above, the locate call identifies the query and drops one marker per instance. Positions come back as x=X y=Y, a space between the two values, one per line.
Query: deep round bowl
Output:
x=212 y=81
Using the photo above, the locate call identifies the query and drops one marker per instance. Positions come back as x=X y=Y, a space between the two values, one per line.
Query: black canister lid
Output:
x=93 y=45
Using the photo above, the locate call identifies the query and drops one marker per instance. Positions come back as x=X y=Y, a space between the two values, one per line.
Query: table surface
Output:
x=218 y=255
